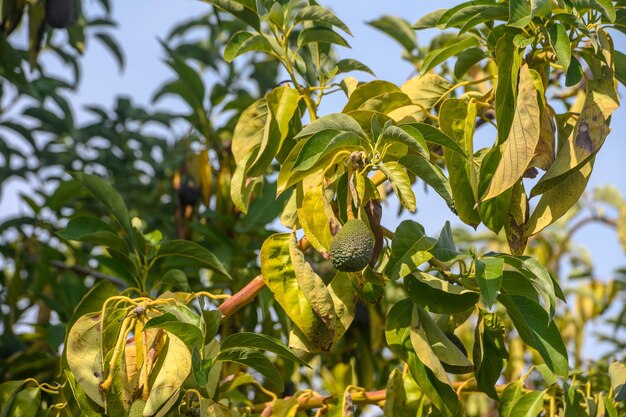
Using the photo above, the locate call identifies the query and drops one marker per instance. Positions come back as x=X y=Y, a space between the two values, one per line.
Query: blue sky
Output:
x=143 y=22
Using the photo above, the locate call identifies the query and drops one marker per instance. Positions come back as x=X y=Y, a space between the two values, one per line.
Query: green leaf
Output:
x=519 y=13
x=189 y=334
x=489 y=277
x=429 y=20
x=445 y=249
x=489 y=13
x=109 y=197
x=201 y=256
x=559 y=40
x=8 y=390
x=490 y=354
x=605 y=7
x=575 y=72
x=437 y=136
x=431 y=174
x=262 y=342
x=447 y=352
x=191 y=81
x=176 y=279
x=452 y=118
x=322 y=145
x=620 y=67
x=339 y=122
x=617 y=372
x=242 y=42
x=255 y=360
x=538 y=276
x=398 y=28
x=466 y=60
x=26 y=402
x=541 y=8
x=529 y=404
x=93 y=230
x=409 y=250
x=398 y=335
x=520 y=146
x=406 y=135
x=401 y=184
x=113 y=47
x=437 y=295
x=348 y=65
x=451 y=13
x=318 y=14
x=320 y=35
x=538 y=331
x=395 y=399
x=245 y=10
x=436 y=57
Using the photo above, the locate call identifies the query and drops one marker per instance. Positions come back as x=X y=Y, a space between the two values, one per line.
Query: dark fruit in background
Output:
x=189 y=192
x=61 y=13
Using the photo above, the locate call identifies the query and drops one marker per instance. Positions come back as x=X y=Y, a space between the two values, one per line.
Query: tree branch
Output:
x=364 y=398
x=81 y=270
x=242 y=297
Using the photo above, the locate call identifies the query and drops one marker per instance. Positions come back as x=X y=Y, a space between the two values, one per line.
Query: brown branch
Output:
x=317 y=401
x=242 y=297
x=363 y=398
x=81 y=270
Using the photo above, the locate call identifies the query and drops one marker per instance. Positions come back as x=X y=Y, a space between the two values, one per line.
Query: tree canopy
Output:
x=246 y=267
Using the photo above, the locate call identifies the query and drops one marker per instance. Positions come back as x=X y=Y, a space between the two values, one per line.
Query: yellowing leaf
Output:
x=249 y=129
x=170 y=374
x=544 y=153
x=401 y=184
x=588 y=135
x=84 y=355
x=555 y=202
x=520 y=146
x=285 y=279
x=316 y=217
x=426 y=90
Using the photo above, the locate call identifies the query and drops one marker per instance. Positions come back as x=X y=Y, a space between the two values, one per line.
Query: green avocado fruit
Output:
x=136 y=409
x=353 y=247
x=61 y=14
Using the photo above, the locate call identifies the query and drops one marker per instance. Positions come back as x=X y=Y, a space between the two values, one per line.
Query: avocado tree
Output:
x=256 y=275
